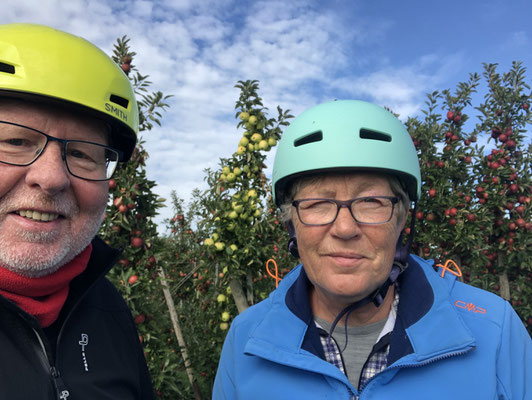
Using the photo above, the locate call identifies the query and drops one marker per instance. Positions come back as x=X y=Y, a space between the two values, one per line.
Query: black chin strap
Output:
x=377 y=298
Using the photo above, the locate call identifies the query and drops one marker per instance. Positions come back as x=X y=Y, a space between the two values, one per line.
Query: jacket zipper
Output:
x=60 y=387
x=421 y=364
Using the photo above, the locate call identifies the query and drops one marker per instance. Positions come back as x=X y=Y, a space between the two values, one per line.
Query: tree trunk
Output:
x=503 y=279
x=249 y=284
x=238 y=295
x=179 y=334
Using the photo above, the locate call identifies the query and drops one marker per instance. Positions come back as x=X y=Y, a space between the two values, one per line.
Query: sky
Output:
x=303 y=53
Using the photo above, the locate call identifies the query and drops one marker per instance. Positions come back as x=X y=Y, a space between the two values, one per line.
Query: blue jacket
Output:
x=450 y=341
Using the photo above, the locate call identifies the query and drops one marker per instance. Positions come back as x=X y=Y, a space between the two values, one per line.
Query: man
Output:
x=360 y=318
x=68 y=115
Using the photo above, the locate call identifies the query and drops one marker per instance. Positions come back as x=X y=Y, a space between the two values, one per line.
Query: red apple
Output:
x=136 y=242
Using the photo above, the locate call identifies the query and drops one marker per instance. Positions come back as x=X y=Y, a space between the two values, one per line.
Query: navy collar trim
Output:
x=298 y=302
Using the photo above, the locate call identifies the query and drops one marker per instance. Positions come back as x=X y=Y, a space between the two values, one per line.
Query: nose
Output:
x=345 y=226
x=49 y=171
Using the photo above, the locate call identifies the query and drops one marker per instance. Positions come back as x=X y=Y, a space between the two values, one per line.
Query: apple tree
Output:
x=218 y=249
x=475 y=206
x=128 y=225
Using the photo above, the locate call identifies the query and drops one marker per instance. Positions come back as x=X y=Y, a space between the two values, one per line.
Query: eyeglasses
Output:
x=369 y=210
x=20 y=145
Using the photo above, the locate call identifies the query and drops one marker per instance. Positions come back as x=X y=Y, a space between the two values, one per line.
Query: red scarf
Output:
x=45 y=296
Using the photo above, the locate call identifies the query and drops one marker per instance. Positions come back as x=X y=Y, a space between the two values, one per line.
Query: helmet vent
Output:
x=119 y=100
x=10 y=69
x=374 y=135
x=310 y=138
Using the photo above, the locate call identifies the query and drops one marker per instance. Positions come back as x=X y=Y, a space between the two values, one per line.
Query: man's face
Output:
x=347 y=261
x=47 y=216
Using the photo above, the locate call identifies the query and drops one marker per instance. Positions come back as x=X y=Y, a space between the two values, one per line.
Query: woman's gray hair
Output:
x=396 y=185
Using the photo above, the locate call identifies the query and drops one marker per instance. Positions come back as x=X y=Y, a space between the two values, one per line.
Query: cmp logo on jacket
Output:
x=84 y=342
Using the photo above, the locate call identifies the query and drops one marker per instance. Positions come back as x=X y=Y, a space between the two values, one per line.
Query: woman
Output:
x=360 y=318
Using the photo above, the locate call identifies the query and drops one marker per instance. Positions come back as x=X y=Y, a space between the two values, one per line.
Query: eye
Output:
x=16 y=142
x=372 y=202
x=313 y=204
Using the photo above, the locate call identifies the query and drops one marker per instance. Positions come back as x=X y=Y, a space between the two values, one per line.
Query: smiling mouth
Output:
x=38 y=216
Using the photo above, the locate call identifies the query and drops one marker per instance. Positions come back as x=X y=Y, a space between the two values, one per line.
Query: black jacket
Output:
x=91 y=352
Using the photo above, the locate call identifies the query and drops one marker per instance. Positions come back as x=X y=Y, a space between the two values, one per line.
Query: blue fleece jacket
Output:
x=450 y=341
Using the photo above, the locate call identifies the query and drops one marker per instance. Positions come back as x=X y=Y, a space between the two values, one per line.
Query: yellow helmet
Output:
x=43 y=64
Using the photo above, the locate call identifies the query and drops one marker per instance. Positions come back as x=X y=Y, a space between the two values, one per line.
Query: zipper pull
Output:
x=60 y=386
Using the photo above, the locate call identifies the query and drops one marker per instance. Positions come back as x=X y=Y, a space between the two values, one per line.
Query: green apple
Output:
x=228 y=290
x=225 y=316
x=244 y=141
x=237 y=171
x=241 y=150
x=226 y=170
x=243 y=116
x=215 y=236
x=219 y=246
x=231 y=177
x=221 y=298
x=272 y=142
x=233 y=247
x=251 y=147
x=252 y=120
x=208 y=242
x=238 y=208
x=263 y=145
x=256 y=137
x=252 y=193
x=224 y=326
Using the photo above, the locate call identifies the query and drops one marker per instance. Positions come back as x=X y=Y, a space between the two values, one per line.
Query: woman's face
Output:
x=346 y=261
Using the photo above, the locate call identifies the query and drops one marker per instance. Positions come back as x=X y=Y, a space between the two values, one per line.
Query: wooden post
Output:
x=178 y=333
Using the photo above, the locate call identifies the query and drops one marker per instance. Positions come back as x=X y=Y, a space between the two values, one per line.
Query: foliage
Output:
x=475 y=207
x=129 y=225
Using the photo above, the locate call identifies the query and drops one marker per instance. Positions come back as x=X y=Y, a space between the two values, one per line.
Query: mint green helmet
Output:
x=342 y=136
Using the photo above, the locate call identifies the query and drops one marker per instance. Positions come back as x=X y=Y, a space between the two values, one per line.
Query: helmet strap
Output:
x=402 y=251
x=292 y=242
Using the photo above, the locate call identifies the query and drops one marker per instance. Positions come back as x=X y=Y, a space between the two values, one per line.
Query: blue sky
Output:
x=303 y=52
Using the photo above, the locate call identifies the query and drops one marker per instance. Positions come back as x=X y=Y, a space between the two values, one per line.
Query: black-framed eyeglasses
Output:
x=371 y=210
x=21 y=145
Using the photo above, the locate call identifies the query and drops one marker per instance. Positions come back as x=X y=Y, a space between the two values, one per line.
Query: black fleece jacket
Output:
x=91 y=352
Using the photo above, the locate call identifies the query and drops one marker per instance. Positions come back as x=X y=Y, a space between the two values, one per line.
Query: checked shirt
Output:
x=377 y=359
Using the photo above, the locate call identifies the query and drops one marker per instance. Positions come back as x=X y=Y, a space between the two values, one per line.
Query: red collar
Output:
x=45 y=296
